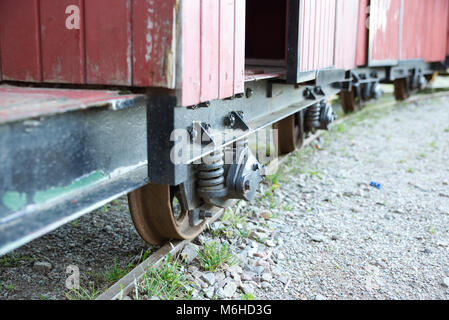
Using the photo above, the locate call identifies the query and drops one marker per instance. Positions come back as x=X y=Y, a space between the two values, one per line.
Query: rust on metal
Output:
x=152 y=214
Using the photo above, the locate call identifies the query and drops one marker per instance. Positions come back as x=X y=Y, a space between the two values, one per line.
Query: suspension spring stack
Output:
x=211 y=179
x=312 y=118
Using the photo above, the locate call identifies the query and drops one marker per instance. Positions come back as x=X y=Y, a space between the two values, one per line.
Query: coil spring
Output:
x=211 y=180
x=312 y=118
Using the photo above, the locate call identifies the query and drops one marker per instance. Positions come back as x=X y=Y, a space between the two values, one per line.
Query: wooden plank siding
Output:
x=128 y=43
x=362 y=34
x=20 y=40
x=154 y=31
x=384 y=32
x=239 y=45
x=420 y=38
x=447 y=37
x=63 y=58
x=346 y=34
x=226 y=54
x=318 y=34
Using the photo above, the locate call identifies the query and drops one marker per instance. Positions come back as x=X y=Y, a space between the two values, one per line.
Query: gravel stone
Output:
x=229 y=289
x=42 y=267
x=209 y=292
x=445 y=282
x=316 y=238
x=190 y=252
x=247 y=288
x=267 y=277
x=270 y=243
x=247 y=276
x=209 y=278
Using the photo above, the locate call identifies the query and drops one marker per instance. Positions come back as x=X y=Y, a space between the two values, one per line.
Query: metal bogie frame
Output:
x=58 y=167
x=408 y=76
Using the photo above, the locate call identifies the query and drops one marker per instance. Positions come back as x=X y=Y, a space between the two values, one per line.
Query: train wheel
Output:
x=290 y=133
x=158 y=215
x=348 y=102
x=401 y=91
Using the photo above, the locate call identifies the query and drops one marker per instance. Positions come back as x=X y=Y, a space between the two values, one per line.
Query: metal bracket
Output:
x=235 y=121
x=312 y=93
x=200 y=133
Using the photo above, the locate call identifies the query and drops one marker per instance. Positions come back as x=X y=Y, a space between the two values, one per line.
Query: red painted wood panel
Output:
x=129 y=43
x=305 y=39
x=384 y=32
x=239 y=45
x=108 y=41
x=226 y=59
x=439 y=21
x=317 y=38
x=310 y=51
x=420 y=22
x=213 y=55
x=362 y=34
x=62 y=49
x=331 y=21
x=210 y=45
x=346 y=34
x=191 y=52
x=154 y=47
x=447 y=43
x=20 y=40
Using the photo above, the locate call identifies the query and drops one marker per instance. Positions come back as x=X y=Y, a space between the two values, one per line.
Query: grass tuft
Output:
x=14 y=260
x=166 y=282
x=115 y=273
x=83 y=294
x=214 y=256
x=247 y=296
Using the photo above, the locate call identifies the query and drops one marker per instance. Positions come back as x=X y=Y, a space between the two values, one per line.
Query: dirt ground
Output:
x=318 y=230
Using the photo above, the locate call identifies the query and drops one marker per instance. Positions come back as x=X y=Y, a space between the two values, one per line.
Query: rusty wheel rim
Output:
x=151 y=209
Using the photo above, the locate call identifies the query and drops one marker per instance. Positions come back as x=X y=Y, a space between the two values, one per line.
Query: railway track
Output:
x=127 y=284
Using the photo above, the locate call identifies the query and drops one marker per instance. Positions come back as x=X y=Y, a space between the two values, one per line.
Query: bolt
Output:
x=247 y=185
x=256 y=167
x=205 y=214
x=306 y=92
x=206 y=126
x=204 y=104
x=230 y=120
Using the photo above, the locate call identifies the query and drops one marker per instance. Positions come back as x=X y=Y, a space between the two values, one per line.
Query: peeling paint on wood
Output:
x=128 y=43
x=384 y=32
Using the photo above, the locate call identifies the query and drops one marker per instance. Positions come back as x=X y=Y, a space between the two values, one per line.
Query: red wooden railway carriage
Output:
x=92 y=91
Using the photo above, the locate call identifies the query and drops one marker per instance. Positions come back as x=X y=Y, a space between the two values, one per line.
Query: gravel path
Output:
x=94 y=243
x=321 y=231
x=317 y=231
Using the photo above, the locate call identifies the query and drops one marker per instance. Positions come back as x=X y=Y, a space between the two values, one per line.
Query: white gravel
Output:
x=331 y=235
x=323 y=233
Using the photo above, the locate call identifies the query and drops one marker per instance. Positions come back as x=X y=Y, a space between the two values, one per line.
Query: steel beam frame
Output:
x=55 y=168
